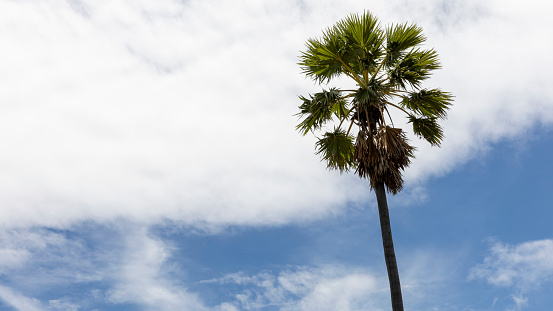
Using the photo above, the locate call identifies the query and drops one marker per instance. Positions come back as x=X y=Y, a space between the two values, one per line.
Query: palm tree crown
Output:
x=388 y=67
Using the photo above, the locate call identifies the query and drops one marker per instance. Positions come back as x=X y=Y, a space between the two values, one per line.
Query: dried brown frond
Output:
x=381 y=157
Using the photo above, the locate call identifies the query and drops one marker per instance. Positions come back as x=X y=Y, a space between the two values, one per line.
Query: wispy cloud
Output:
x=524 y=267
x=18 y=301
x=144 y=278
x=37 y=249
x=521 y=265
x=118 y=265
x=340 y=287
x=127 y=264
x=305 y=288
x=135 y=268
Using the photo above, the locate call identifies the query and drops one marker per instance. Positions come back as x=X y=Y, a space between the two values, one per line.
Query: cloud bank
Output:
x=184 y=110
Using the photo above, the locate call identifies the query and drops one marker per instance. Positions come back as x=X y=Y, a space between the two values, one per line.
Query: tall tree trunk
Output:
x=389 y=254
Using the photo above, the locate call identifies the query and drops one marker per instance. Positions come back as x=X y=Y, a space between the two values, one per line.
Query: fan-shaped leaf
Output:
x=336 y=148
x=427 y=128
x=365 y=37
x=352 y=46
x=429 y=103
x=413 y=68
x=399 y=38
x=319 y=109
x=375 y=93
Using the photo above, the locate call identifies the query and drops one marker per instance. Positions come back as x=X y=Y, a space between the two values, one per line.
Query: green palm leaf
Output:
x=428 y=129
x=321 y=59
x=429 y=103
x=319 y=108
x=365 y=40
x=376 y=92
x=336 y=149
x=352 y=47
x=413 y=68
x=400 y=38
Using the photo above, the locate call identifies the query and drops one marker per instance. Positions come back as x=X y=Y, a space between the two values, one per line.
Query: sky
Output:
x=150 y=161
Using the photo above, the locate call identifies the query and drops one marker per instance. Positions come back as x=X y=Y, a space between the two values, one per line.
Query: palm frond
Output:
x=362 y=30
x=376 y=92
x=319 y=108
x=336 y=148
x=399 y=38
x=413 y=68
x=320 y=61
x=429 y=103
x=352 y=46
x=428 y=129
x=365 y=38
x=340 y=108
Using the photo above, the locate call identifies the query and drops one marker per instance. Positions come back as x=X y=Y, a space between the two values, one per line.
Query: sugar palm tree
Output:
x=388 y=66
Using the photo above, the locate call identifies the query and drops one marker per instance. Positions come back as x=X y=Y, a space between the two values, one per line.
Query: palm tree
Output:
x=388 y=66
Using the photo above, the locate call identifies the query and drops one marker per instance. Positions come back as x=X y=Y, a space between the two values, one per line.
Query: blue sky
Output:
x=150 y=162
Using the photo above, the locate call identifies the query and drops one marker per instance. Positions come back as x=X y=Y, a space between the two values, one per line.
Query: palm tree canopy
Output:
x=388 y=66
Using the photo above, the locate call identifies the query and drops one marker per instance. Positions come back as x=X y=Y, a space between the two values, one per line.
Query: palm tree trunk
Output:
x=389 y=254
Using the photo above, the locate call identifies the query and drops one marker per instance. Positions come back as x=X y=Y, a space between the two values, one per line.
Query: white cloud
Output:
x=525 y=265
x=494 y=62
x=520 y=301
x=141 y=278
x=126 y=264
x=302 y=288
x=105 y=133
x=344 y=293
x=115 y=264
x=183 y=110
x=63 y=304
x=134 y=267
x=46 y=258
x=18 y=301
x=345 y=288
